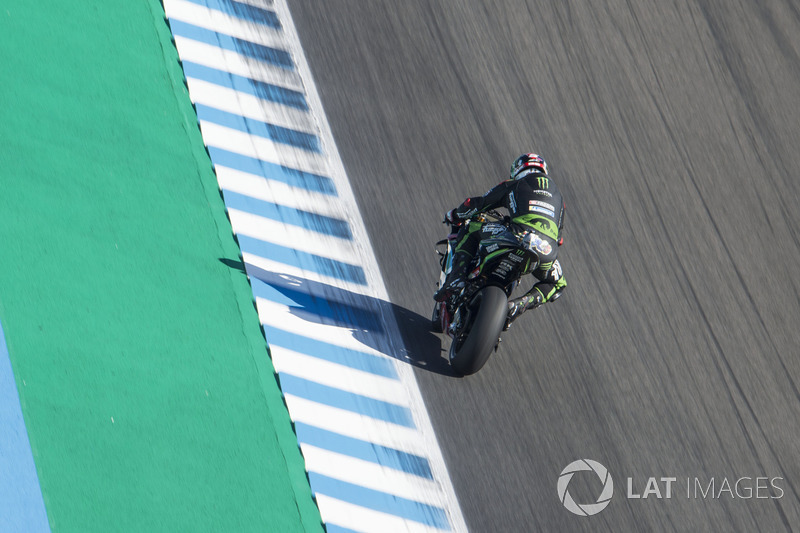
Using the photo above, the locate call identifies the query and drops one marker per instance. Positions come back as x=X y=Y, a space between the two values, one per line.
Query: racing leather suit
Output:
x=534 y=204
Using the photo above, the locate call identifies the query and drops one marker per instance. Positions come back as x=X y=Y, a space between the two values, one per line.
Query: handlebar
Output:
x=482 y=217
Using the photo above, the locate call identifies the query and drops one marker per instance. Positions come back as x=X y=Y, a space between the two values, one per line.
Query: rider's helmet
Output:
x=527 y=164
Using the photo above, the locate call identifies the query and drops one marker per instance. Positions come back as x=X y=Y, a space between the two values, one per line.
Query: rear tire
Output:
x=468 y=355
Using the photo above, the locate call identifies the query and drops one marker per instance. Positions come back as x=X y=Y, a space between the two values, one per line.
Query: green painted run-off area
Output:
x=145 y=381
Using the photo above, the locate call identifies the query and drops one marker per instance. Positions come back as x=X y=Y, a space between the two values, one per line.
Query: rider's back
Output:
x=535 y=201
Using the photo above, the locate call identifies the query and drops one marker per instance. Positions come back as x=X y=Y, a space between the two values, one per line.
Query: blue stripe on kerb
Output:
x=243 y=11
x=283 y=174
x=366 y=451
x=21 y=503
x=279 y=134
x=260 y=89
x=348 y=401
x=379 y=501
x=280 y=58
x=306 y=261
x=289 y=215
x=333 y=528
x=330 y=352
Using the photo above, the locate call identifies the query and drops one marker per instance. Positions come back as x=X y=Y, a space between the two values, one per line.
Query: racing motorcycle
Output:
x=476 y=316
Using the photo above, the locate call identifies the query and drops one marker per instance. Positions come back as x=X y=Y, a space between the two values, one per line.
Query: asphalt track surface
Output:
x=672 y=128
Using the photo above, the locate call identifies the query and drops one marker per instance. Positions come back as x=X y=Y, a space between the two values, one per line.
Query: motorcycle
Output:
x=477 y=315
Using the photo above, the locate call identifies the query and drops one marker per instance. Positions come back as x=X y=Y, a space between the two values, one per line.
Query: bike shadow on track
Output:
x=373 y=322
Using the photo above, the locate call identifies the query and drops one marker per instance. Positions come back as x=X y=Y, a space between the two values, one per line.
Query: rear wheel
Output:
x=473 y=345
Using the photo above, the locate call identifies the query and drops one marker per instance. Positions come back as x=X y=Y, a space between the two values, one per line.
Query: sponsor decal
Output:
x=542 y=204
x=535 y=243
x=492 y=247
x=556 y=273
x=503 y=268
x=544 y=247
x=494 y=229
x=542 y=210
x=543 y=193
x=512 y=202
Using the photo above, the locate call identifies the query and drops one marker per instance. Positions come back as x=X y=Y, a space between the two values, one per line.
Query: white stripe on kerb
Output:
x=277 y=192
x=295 y=237
x=339 y=376
x=247 y=105
x=364 y=520
x=235 y=63
x=354 y=425
x=240 y=142
x=370 y=475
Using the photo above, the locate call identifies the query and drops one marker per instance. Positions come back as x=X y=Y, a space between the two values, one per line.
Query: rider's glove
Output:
x=451 y=218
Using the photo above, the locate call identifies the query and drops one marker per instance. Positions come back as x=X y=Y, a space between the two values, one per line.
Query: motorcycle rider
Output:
x=537 y=212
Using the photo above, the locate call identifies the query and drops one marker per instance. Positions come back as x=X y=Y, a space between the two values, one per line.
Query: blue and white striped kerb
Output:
x=370 y=451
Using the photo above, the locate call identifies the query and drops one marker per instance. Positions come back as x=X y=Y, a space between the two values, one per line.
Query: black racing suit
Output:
x=535 y=204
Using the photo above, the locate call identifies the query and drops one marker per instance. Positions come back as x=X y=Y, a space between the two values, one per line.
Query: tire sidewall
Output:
x=484 y=334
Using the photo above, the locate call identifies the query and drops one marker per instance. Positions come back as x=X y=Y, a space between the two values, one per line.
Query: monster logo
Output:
x=542 y=225
x=539 y=223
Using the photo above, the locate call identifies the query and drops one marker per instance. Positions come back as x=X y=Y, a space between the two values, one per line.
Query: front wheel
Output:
x=473 y=345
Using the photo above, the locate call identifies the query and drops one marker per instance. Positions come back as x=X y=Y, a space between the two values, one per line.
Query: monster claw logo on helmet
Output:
x=527 y=164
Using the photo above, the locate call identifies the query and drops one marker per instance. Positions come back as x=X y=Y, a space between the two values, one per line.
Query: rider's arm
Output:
x=477 y=204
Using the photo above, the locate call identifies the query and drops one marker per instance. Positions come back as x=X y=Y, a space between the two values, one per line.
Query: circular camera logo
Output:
x=585 y=509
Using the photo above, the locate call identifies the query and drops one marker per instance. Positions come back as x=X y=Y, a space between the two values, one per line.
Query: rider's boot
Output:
x=517 y=306
x=455 y=279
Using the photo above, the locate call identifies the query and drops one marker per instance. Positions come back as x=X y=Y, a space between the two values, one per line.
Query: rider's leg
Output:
x=549 y=288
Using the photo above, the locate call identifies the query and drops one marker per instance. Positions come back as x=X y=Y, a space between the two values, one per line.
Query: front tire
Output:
x=469 y=353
